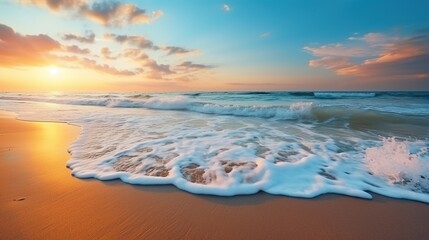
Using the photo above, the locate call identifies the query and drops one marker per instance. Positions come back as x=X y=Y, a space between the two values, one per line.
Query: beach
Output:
x=197 y=120
x=40 y=199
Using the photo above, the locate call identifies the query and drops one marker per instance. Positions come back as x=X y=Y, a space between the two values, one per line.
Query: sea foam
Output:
x=396 y=163
x=233 y=150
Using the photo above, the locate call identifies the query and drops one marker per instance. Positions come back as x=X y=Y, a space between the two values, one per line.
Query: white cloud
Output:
x=265 y=34
x=226 y=8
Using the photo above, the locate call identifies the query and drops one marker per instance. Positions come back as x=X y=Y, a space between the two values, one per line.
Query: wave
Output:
x=414 y=94
x=257 y=93
x=291 y=111
x=229 y=156
x=292 y=108
x=357 y=118
x=335 y=95
x=319 y=94
x=302 y=94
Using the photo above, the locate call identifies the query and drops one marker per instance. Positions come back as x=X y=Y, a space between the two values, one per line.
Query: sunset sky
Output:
x=211 y=45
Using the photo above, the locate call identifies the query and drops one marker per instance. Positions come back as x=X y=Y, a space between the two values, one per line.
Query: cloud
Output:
x=41 y=50
x=88 y=38
x=402 y=49
x=188 y=71
x=107 y=12
x=89 y=63
x=107 y=54
x=144 y=43
x=376 y=56
x=77 y=50
x=338 y=50
x=156 y=70
x=136 y=41
x=25 y=50
x=171 y=50
x=190 y=66
x=181 y=72
x=151 y=67
x=330 y=62
x=135 y=54
x=226 y=8
x=377 y=39
x=117 y=14
x=57 y=5
x=264 y=34
x=92 y=64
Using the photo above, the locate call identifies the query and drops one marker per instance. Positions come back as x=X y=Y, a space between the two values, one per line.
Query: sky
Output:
x=211 y=45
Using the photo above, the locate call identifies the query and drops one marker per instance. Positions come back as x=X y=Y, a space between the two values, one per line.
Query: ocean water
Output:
x=300 y=144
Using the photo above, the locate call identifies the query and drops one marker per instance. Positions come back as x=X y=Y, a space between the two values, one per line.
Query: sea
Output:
x=297 y=144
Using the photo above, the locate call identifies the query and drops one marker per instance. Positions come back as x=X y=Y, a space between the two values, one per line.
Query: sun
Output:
x=53 y=71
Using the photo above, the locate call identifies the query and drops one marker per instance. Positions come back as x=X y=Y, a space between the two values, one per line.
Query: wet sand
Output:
x=39 y=199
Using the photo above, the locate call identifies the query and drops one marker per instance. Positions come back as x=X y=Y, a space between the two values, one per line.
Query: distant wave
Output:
x=301 y=94
x=323 y=94
x=335 y=95
x=292 y=111
x=276 y=105
x=415 y=94
x=257 y=93
x=300 y=110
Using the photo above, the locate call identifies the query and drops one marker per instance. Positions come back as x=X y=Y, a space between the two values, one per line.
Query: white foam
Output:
x=230 y=155
x=293 y=111
x=396 y=164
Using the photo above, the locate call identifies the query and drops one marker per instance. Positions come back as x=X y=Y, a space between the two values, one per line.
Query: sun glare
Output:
x=53 y=71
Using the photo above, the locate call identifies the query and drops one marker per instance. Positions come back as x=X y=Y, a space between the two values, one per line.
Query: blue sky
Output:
x=233 y=45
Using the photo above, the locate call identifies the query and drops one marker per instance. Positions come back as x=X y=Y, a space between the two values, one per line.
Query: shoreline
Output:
x=33 y=159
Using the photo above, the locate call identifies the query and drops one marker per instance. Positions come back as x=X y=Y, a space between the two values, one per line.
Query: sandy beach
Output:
x=41 y=200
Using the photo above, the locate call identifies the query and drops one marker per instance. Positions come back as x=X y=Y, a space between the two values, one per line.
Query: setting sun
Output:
x=53 y=71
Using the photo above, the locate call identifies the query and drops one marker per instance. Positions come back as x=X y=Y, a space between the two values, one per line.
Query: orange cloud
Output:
x=106 y=12
x=107 y=54
x=25 y=50
x=92 y=64
x=77 y=50
x=89 y=63
x=56 y=5
x=135 y=54
x=380 y=57
x=40 y=50
x=157 y=71
x=117 y=14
